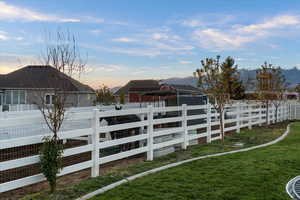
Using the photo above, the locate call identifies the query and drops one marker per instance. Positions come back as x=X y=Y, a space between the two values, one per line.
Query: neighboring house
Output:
x=152 y=90
x=134 y=90
x=31 y=83
x=183 y=94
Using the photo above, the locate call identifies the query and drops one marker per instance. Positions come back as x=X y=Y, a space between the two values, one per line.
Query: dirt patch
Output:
x=71 y=179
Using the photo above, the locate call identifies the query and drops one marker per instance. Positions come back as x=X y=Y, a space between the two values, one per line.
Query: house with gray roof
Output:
x=134 y=89
x=153 y=90
x=25 y=85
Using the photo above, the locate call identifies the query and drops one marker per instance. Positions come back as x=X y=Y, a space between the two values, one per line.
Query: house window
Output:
x=8 y=95
x=14 y=97
x=22 y=97
x=49 y=99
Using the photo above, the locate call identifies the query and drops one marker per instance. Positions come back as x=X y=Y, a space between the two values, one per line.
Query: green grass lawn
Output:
x=214 y=178
x=259 y=174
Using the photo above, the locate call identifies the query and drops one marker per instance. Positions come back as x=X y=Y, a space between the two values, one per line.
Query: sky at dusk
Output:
x=152 y=39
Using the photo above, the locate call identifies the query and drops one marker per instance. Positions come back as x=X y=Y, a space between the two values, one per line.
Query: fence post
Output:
x=273 y=112
x=184 y=125
x=150 y=133
x=268 y=114
x=293 y=109
x=283 y=112
x=250 y=117
x=142 y=128
x=295 y=118
x=208 y=120
x=290 y=111
x=238 y=116
x=95 y=142
x=286 y=111
x=260 y=114
x=279 y=114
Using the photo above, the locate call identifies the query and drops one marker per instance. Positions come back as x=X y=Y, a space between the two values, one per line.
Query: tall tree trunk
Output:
x=53 y=187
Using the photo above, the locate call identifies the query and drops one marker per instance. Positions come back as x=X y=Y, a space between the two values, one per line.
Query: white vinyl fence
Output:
x=159 y=128
x=22 y=107
x=33 y=107
x=38 y=127
x=295 y=110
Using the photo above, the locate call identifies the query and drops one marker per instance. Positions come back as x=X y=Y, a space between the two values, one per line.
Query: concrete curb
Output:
x=130 y=178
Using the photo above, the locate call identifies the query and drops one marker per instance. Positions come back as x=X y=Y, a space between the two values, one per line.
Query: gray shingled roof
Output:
x=153 y=85
x=41 y=77
x=139 y=85
x=185 y=88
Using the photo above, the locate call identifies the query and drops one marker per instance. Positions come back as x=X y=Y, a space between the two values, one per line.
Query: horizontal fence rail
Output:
x=154 y=131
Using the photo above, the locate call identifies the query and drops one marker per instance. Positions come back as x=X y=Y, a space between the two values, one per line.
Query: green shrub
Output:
x=51 y=159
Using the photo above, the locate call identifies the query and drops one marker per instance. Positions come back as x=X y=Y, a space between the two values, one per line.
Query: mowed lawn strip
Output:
x=256 y=136
x=259 y=174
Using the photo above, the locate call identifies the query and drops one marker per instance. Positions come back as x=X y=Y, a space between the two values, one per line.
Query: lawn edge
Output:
x=130 y=178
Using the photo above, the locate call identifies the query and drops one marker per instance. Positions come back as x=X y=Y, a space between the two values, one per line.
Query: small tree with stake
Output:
x=211 y=78
x=278 y=87
x=62 y=55
x=270 y=86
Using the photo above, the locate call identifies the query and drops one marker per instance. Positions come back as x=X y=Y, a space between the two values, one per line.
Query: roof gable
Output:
x=41 y=77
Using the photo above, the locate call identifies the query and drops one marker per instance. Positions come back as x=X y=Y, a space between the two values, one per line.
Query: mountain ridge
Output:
x=292 y=76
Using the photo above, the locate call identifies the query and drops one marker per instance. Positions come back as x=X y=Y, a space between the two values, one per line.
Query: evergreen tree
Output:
x=231 y=79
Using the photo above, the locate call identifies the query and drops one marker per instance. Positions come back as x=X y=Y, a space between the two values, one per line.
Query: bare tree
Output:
x=61 y=55
x=270 y=87
x=211 y=79
x=263 y=77
x=278 y=88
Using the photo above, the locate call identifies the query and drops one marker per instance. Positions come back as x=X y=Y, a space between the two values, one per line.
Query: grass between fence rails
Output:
x=256 y=136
